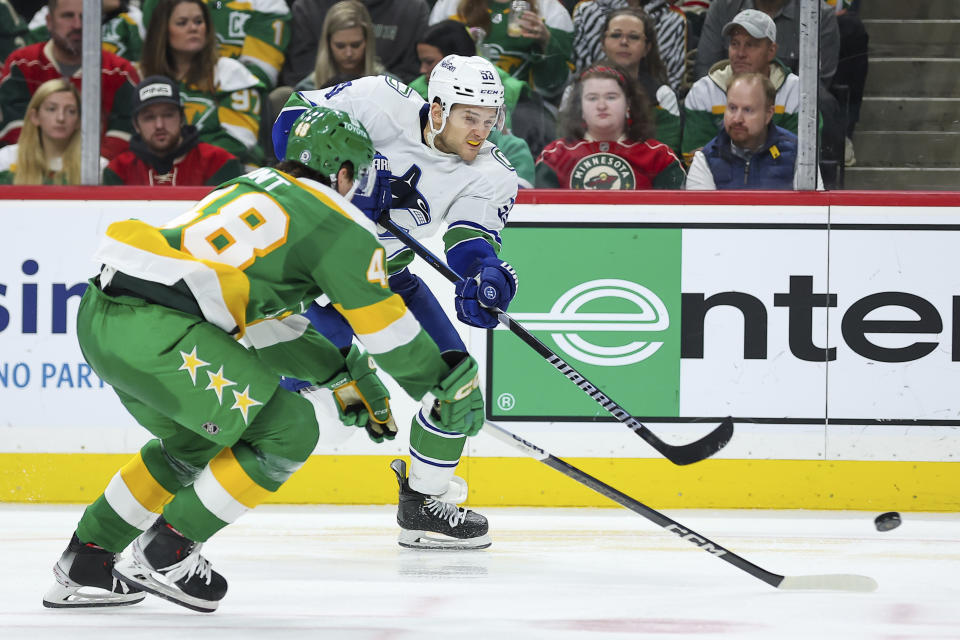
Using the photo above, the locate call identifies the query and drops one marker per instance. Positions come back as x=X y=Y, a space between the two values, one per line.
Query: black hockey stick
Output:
x=677 y=454
x=829 y=582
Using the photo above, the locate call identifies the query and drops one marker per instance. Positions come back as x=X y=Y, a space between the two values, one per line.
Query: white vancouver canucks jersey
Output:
x=430 y=189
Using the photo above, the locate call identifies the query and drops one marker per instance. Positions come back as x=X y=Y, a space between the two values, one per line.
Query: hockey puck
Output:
x=887 y=521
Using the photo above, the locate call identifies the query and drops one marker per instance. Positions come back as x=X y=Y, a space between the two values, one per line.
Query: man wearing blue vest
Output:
x=750 y=152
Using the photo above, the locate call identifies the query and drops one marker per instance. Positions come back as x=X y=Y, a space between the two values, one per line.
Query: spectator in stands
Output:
x=13 y=30
x=349 y=52
x=49 y=148
x=122 y=31
x=221 y=97
x=852 y=65
x=630 y=41
x=590 y=17
x=695 y=12
x=348 y=47
x=397 y=25
x=539 y=55
x=786 y=16
x=255 y=32
x=165 y=150
x=30 y=66
x=449 y=37
x=753 y=49
x=607 y=141
x=750 y=152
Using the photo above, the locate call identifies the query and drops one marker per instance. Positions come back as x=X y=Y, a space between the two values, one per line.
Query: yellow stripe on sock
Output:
x=143 y=486
x=231 y=476
x=118 y=496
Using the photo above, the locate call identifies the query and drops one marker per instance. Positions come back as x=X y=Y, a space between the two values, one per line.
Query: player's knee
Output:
x=293 y=429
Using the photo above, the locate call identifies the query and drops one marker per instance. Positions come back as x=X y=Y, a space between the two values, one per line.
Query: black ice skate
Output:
x=426 y=522
x=84 y=576
x=169 y=565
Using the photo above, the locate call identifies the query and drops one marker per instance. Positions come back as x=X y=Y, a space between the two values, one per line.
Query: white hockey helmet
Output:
x=468 y=80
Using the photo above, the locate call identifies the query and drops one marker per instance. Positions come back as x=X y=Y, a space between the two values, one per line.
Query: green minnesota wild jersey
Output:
x=255 y=32
x=258 y=249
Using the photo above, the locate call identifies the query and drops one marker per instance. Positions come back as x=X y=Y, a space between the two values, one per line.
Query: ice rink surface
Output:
x=337 y=572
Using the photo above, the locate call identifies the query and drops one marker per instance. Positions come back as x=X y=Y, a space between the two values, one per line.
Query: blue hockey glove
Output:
x=379 y=200
x=490 y=283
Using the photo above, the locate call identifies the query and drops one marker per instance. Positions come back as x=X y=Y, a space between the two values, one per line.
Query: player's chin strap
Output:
x=433 y=133
x=333 y=185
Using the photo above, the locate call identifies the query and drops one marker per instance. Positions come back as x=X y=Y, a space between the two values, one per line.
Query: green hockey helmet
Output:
x=323 y=139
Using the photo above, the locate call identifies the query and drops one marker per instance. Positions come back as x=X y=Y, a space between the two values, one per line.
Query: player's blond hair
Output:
x=31 y=162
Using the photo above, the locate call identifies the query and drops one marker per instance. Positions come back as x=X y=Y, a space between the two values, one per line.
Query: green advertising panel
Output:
x=607 y=301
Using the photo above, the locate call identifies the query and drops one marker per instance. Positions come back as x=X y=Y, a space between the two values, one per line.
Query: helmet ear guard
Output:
x=467 y=80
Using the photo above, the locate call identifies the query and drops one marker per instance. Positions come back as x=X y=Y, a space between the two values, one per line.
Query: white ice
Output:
x=337 y=572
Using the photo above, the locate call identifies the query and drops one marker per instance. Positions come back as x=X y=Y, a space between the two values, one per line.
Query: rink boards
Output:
x=824 y=323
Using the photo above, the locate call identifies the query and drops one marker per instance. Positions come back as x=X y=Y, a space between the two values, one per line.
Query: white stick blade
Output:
x=830 y=582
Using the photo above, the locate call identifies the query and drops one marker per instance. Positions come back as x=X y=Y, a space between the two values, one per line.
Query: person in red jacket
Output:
x=607 y=144
x=165 y=150
x=62 y=56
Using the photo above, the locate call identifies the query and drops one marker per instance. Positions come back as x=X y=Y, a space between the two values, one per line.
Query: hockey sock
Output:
x=132 y=500
x=223 y=492
x=239 y=478
x=434 y=456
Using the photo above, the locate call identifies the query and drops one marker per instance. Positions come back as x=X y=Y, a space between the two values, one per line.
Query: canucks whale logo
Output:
x=405 y=194
x=578 y=317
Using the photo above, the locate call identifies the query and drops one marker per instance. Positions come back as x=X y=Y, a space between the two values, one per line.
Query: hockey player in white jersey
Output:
x=446 y=177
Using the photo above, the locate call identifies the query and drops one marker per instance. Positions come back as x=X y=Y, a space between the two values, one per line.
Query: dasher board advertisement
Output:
x=790 y=323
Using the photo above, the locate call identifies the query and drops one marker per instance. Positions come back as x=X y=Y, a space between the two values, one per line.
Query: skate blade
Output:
x=76 y=596
x=136 y=575
x=429 y=541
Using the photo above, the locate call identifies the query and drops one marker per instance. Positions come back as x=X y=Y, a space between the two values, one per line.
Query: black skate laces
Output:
x=454 y=515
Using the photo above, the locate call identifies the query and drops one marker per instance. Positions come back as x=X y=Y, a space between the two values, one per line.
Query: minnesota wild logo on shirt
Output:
x=602 y=171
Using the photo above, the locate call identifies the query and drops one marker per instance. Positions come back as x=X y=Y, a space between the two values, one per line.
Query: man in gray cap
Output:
x=165 y=150
x=786 y=16
x=753 y=49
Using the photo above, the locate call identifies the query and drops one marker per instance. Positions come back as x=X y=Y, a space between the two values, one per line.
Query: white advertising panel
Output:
x=826 y=337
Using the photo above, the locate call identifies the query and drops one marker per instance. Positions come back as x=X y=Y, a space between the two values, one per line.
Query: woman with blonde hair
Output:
x=48 y=151
x=221 y=97
x=347 y=46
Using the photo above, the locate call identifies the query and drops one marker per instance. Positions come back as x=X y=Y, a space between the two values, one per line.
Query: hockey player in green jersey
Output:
x=193 y=322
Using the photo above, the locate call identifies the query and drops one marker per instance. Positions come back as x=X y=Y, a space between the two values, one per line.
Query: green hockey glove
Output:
x=455 y=403
x=362 y=399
